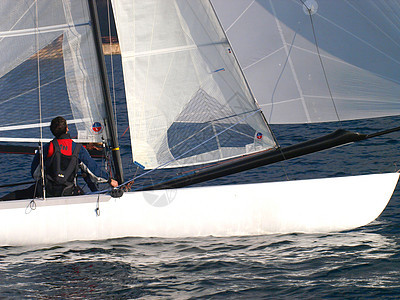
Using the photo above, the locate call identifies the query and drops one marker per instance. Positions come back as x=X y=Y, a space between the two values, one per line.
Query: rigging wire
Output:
x=309 y=10
x=320 y=59
x=325 y=77
x=40 y=101
x=272 y=108
x=125 y=131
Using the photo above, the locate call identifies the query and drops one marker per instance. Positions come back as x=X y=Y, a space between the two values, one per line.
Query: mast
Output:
x=116 y=155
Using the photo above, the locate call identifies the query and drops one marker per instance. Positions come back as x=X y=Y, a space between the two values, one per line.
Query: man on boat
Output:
x=62 y=159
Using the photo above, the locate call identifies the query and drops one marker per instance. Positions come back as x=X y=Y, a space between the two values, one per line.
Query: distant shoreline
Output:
x=112 y=48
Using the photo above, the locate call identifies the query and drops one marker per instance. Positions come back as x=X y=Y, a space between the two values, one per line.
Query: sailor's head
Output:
x=58 y=126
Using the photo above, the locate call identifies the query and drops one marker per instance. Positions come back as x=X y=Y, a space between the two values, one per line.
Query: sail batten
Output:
x=131 y=54
x=37 y=140
x=39 y=30
x=45 y=124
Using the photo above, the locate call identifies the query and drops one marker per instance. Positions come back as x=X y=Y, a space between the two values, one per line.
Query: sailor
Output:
x=62 y=160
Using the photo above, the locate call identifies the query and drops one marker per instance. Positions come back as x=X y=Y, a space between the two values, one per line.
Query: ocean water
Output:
x=361 y=263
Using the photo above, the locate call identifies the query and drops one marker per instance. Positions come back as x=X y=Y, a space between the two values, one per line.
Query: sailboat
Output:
x=194 y=102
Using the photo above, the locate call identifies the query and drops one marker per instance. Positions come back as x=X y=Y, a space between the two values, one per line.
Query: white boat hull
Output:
x=310 y=206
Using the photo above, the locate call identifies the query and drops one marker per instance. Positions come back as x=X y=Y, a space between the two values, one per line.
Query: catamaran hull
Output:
x=310 y=206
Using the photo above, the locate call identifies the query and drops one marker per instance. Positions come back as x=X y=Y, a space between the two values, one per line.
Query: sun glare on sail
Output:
x=310 y=7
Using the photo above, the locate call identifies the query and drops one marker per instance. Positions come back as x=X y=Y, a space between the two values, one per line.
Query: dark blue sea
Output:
x=362 y=263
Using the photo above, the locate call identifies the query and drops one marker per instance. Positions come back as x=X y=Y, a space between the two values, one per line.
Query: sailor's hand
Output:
x=94 y=146
x=113 y=183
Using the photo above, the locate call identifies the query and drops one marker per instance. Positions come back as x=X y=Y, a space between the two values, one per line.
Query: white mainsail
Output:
x=359 y=47
x=188 y=102
x=47 y=64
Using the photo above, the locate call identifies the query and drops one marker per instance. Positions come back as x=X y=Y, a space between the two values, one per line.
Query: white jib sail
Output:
x=188 y=102
x=47 y=64
x=359 y=43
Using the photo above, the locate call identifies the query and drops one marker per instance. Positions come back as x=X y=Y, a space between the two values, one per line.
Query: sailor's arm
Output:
x=96 y=173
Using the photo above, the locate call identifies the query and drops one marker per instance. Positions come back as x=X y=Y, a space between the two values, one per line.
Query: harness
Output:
x=61 y=171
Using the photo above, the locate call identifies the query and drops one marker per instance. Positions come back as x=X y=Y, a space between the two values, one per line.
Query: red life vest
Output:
x=65 y=147
x=61 y=168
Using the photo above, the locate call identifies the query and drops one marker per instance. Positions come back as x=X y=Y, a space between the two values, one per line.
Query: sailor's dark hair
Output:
x=58 y=126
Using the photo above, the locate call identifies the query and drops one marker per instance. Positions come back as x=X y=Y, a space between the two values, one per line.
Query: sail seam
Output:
x=289 y=60
x=378 y=8
x=133 y=54
x=327 y=97
x=360 y=39
x=352 y=99
x=26 y=11
x=31 y=90
x=373 y=24
x=238 y=18
x=39 y=30
x=280 y=102
x=338 y=61
x=324 y=56
x=263 y=58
